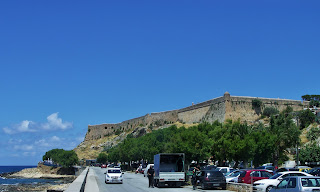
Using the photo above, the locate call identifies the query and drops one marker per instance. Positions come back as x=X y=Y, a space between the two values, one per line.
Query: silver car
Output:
x=297 y=184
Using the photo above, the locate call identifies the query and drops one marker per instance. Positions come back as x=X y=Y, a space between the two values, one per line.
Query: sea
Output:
x=17 y=181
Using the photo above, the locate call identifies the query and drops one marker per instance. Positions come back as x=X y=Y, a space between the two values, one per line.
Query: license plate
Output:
x=215 y=184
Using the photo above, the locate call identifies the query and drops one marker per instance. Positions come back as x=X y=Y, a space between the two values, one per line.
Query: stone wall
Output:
x=241 y=107
x=221 y=109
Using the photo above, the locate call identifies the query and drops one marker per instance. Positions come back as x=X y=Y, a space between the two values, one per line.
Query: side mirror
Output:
x=122 y=173
x=105 y=173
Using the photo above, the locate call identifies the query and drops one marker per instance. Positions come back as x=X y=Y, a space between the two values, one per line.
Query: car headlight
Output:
x=120 y=175
x=107 y=175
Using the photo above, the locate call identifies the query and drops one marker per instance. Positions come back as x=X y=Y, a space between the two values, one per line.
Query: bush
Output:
x=256 y=103
x=268 y=111
x=313 y=134
x=62 y=157
x=306 y=117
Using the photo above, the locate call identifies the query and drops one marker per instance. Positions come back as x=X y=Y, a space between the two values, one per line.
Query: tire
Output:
x=268 y=188
x=203 y=186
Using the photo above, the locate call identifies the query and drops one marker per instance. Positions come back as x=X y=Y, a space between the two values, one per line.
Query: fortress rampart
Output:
x=221 y=108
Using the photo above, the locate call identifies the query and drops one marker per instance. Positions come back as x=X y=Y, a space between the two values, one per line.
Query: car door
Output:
x=255 y=176
x=292 y=185
x=282 y=186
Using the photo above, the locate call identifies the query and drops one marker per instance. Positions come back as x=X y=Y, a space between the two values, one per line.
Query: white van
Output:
x=146 y=169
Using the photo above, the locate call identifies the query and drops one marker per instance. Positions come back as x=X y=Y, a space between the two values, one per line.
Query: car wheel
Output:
x=203 y=186
x=268 y=188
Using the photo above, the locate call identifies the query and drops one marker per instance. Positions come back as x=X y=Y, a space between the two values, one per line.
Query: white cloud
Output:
x=28 y=154
x=7 y=130
x=55 y=138
x=53 y=123
x=23 y=147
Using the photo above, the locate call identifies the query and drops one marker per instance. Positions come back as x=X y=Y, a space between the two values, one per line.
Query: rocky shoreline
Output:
x=58 y=183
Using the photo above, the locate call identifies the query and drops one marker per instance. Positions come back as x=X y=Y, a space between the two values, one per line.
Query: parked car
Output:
x=113 y=175
x=283 y=169
x=249 y=176
x=233 y=177
x=209 y=167
x=265 y=185
x=145 y=173
x=315 y=171
x=103 y=166
x=298 y=184
x=212 y=179
x=304 y=168
x=269 y=167
x=224 y=170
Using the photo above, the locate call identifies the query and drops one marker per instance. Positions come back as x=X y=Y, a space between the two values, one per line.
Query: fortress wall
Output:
x=193 y=115
x=216 y=111
x=163 y=118
x=102 y=130
x=198 y=113
x=158 y=119
x=221 y=108
x=241 y=107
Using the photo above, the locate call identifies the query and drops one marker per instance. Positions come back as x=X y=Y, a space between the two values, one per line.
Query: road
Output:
x=135 y=183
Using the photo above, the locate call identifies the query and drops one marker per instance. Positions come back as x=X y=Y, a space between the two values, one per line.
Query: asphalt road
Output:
x=136 y=183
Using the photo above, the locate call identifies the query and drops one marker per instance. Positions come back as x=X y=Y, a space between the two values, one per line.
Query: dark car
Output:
x=315 y=171
x=212 y=179
x=269 y=167
x=283 y=169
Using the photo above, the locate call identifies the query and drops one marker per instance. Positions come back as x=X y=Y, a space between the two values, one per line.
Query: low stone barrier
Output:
x=79 y=183
x=239 y=187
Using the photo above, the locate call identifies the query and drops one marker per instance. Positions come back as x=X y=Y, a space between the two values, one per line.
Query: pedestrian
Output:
x=195 y=177
x=151 y=176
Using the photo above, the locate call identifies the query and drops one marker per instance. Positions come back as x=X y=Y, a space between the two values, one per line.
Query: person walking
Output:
x=151 y=176
x=195 y=177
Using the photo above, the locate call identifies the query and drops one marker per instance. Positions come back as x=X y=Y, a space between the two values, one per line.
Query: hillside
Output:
x=89 y=149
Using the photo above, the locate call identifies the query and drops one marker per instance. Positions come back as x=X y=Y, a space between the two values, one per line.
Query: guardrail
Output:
x=79 y=183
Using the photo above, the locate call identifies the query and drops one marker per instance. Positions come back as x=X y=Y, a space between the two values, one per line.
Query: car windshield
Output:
x=236 y=173
x=114 y=171
x=275 y=176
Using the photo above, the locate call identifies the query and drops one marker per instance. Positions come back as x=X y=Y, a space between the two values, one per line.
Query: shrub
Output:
x=269 y=111
x=256 y=103
x=306 y=117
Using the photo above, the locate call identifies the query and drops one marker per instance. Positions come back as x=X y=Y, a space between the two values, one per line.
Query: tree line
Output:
x=229 y=141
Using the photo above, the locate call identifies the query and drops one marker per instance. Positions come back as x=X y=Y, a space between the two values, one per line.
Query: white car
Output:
x=265 y=185
x=224 y=170
x=114 y=175
x=233 y=177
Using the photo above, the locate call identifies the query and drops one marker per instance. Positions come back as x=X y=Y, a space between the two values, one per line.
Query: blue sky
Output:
x=68 y=64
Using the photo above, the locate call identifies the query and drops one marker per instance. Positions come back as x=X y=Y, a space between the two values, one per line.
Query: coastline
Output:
x=50 y=180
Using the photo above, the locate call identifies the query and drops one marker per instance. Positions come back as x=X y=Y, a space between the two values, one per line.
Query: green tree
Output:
x=284 y=132
x=268 y=111
x=102 y=158
x=62 y=157
x=313 y=134
x=310 y=153
x=306 y=117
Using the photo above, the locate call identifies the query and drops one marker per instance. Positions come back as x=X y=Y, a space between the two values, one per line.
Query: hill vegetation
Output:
x=217 y=141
